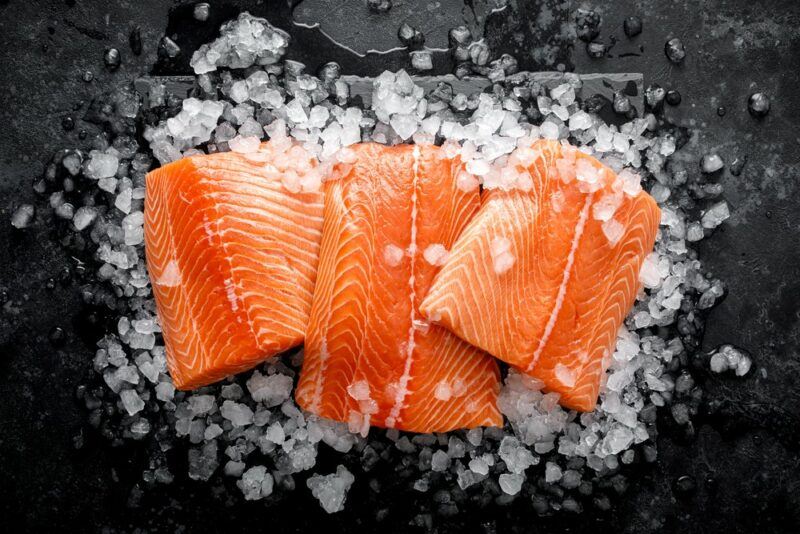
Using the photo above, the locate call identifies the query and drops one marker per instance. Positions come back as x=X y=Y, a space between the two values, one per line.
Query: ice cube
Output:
x=393 y=255
x=443 y=391
x=440 y=461
x=552 y=473
x=564 y=93
x=84 y=216
x=404 y=125
x=516 y=456
x=502 y=257
x=359 y=390
x=22 y=216
x=165 y=391
x=565 y=375
x=331 y=490
x=244 y=145
x=613 y=230
x=649 y=274
x=549 y=130
x=256 y=483
x=422 y=59
x=715 y=215
x=101 y=165
x=238 y=414
x=479 y=466
x=711 y=163
x=580 y=121
x=239 y=91
x=201 y=404
x=272 y=390
x=436 y=254
x=131 y=401
x=511 y=483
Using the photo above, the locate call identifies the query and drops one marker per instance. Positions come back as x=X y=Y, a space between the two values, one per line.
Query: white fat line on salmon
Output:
x=402 y=387
x=230 y=284
x=210 y=232
x=316 y=401
x=562 y=289
x=230 y=292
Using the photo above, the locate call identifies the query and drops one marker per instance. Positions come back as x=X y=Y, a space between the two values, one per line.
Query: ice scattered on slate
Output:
x=715 y=215
x=83 y=217
x=249 y=428
x=272 y=390
x=22 y=216
x=730 y=358
x=131 y=401
x=190 y=127
x=331 y=490
x=101 y=165
x=422 y=59
x=256 y=483
x=711 y=163
x=243 y=42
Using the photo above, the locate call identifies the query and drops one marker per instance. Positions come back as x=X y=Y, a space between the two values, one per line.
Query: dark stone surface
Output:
x=744 y=455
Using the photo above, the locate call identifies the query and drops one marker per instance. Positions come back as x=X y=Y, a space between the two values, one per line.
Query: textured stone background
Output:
x=744 y=455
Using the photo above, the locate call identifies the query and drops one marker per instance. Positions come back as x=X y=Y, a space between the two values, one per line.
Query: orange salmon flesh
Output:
x=543 y=279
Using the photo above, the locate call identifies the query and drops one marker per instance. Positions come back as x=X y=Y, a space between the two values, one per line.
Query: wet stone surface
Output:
x=732 y=468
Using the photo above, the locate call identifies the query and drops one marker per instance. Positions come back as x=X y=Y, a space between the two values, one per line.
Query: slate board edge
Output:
x=594 y=83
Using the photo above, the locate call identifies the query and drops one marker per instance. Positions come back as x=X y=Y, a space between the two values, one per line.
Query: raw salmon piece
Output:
x=232 y=256
x=543 y=278
x=370 y=357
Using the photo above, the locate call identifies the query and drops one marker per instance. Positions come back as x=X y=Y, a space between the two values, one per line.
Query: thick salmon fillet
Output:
x=540 y=278
x=370 y=357
x=232 y=256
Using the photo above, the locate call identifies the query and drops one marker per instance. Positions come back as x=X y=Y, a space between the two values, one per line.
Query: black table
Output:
x=744 y=457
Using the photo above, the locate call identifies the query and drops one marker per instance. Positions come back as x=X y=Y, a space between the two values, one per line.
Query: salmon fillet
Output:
x=232 y=256
x=370 y=357
x=543 y=278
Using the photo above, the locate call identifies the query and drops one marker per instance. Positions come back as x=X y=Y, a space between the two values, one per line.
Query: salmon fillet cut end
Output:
x=542 y=278
x=371 y=359
x=232 y=256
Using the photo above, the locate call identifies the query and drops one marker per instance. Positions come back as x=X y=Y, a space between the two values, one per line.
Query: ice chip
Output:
x=502 y=257
x=22 y=216
x=238 y=414
x=101 y=165
x=393 y=255
x=436 y=254
x=131 y=401
x=580 y=121
x=244 y=145
x=443 y=391
x=511 y=483
x=243 y=42
x=715 y=215
x=613 y=230
x=404 y=125
x=272 y=390
x=331 y=490
x=256 y=483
